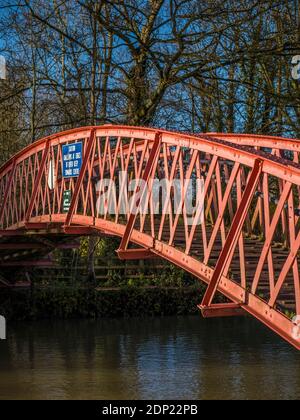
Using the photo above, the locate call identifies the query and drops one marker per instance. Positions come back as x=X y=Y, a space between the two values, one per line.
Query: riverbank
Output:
x=79 y=302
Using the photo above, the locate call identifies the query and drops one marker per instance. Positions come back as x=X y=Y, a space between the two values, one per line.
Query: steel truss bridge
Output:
x=246 y=248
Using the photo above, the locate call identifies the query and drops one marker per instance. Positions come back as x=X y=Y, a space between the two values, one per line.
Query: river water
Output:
x=161 y=358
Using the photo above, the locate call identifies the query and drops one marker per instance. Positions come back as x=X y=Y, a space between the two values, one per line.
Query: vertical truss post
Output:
x=7 y=190
x=80 y=178
x=37 y=182
x=233 y=235
x=146 y=176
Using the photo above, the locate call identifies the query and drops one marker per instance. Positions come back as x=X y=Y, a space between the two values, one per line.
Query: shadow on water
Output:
x=161 y=358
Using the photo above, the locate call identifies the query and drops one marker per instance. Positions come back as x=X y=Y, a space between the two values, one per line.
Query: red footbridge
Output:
x=246 y=246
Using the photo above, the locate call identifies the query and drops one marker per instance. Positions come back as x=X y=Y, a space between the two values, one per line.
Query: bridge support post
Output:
x=233 y=235
x=122 y=251
x=221 y=310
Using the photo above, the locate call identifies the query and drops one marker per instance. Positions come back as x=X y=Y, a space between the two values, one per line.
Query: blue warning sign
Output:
x=72 y=159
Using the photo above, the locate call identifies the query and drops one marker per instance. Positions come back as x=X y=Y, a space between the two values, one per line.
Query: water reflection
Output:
x=176 y=358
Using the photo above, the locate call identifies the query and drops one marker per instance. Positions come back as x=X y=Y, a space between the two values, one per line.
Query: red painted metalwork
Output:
x=246 y=246
x=7 y=189
x=146 y=176
x=78 y=186
x=136 y=254
x=37 y=182
x=221 y=310
x=233 y=235
x=79 y=230
x=280 y=144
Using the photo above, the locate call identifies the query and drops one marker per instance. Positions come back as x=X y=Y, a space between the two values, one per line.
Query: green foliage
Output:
x=127 y=301
x=290 y=314
x=173 y=276
x=131 y=288
x=104 y=248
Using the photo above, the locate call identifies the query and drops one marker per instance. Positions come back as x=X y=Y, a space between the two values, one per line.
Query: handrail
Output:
x=210 y=143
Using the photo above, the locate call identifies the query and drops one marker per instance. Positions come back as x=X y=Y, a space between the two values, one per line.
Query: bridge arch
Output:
x=246 y=246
